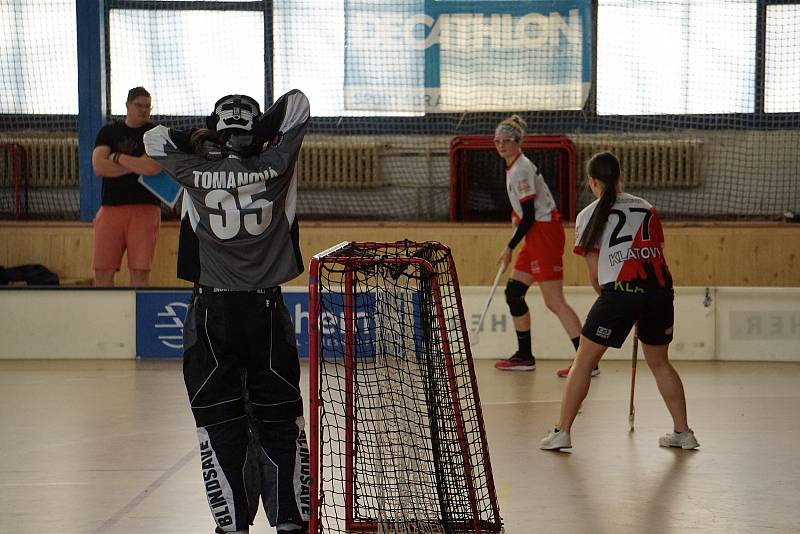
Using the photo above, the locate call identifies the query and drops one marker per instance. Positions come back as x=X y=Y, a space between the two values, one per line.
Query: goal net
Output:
x=397 y=436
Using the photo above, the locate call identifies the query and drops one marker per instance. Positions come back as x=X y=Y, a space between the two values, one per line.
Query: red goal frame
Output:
x=462 y=144
x=477 y=524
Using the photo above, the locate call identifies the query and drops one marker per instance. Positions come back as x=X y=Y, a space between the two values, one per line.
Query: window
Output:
x=782 y=69
x=38 y=57
x=186 y=59
x=369 y=58
x=309 y=53
x=677 y=57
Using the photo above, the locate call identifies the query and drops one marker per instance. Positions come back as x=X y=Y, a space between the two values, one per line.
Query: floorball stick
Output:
x=634 y=357
x=475 y=335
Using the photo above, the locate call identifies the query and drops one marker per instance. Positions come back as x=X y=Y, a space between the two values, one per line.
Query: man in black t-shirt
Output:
x=129 y=216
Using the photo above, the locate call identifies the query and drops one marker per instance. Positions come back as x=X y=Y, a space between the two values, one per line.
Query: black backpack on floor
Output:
x=32 y=274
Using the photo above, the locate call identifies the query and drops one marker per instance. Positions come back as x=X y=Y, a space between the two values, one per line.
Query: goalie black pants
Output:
x=242 y=375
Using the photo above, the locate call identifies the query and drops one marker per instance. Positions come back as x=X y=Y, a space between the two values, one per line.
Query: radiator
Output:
x=340 y=163
x=649 y=163
x=322 y=163
x=52 y=161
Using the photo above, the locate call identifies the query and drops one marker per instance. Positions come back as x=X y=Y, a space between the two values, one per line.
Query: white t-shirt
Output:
x=524 y=182
x=631 y=246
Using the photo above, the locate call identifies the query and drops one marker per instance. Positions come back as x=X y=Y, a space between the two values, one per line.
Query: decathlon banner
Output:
x=422 y=56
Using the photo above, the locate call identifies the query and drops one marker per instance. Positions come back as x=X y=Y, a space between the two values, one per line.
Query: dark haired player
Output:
x=621 y=239
x=240 y=356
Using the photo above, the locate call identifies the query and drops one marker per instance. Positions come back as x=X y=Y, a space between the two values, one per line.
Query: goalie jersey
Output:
x=241 y=210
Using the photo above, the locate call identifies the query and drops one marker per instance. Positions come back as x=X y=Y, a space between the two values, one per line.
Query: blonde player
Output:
x=538 y=223
x=620 y=237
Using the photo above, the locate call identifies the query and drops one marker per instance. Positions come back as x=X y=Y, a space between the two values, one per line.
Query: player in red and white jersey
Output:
x=540 y=259
x=621 y=238
x=630 y=249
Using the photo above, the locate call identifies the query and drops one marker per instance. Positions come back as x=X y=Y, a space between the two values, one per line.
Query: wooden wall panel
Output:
x=757 y=255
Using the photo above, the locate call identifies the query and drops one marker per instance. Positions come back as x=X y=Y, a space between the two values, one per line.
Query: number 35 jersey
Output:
x=242 y=210
x=631 y=247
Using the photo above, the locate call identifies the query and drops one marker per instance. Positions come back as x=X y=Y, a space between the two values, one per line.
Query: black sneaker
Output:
x=517 y=362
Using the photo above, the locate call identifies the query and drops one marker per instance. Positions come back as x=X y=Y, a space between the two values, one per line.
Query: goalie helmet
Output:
x=234 y=118
x=234 y=112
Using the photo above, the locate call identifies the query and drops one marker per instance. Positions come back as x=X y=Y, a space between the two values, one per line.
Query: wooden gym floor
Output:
x=110 y=447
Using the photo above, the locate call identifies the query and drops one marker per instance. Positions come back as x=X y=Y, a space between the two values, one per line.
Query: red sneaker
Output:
x=516 y=362
x=562 y=373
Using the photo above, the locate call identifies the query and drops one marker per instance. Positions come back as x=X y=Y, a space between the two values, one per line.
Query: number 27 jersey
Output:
x=631 y=246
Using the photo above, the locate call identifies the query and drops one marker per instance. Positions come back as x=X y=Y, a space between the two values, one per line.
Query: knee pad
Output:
x=515 y=298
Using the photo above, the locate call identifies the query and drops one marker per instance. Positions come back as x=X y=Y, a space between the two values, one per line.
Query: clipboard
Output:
x=162 y=186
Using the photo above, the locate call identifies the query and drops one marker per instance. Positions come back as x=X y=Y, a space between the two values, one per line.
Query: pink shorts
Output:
x=542 y=253
x=132 y=227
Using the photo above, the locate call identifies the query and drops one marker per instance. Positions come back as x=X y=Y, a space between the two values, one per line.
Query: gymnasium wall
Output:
x=739 y=255
x=742 y=174
x=716 y=323
x=737 y=290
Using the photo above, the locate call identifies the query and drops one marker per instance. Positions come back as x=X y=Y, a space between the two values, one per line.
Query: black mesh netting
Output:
x=703 y=109
x=402 y=446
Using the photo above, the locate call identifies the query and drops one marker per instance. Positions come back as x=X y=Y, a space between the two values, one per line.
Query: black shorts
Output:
x=621 y=305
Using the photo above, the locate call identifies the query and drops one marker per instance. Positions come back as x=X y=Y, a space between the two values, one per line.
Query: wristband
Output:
x=115 y=157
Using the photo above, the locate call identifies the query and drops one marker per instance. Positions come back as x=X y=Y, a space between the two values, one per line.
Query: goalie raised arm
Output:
x=236 y=128
x=239 y=241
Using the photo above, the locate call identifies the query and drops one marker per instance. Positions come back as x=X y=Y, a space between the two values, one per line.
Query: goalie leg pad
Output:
x=515 y=298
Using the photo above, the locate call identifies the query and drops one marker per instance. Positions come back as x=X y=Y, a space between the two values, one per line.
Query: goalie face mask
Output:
x=234 y=112
x=240 y=142
x=214 y=145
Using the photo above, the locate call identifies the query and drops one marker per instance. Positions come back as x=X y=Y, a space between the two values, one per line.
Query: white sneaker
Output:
x=562 y=373
x=555 y=440
x=684 y=440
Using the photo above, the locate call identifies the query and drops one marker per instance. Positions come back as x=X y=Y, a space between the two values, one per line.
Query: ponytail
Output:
x=605 y=168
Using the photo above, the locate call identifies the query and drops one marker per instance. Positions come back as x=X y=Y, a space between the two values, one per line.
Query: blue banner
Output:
x=160 y=317
x=159 y=323
x=379 y=324
x=420 y=56
x=297 y=304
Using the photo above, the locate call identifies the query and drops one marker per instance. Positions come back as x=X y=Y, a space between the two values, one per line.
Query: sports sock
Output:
x=524 y=342
x=576 y=341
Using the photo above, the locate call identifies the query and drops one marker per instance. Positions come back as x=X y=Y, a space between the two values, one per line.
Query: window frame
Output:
x=555 y=121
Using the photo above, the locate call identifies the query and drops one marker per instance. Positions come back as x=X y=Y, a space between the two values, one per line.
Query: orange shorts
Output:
x=542 y=253
x=133 y=227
